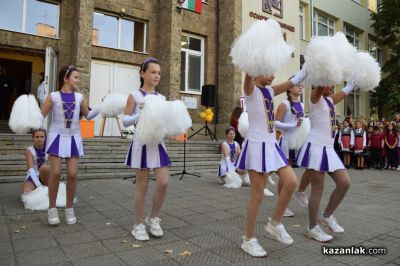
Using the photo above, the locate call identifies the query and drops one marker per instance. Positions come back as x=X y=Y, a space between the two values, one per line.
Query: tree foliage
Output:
x=386 y=24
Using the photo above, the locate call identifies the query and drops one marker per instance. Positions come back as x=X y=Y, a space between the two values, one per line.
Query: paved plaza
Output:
x=203 y=225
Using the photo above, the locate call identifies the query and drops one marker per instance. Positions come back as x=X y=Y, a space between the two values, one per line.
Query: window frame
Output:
x=302 y=19
x=23 y=19
x=356 y=95
x=119 y=26
x=329 y=27
x=196 y=53
x=355 y=35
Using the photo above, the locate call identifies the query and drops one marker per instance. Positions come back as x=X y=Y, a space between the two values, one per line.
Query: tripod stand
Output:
x=184 y=163
x=207 y=131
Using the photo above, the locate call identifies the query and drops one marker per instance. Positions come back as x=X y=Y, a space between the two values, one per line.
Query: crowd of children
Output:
x=373 y=144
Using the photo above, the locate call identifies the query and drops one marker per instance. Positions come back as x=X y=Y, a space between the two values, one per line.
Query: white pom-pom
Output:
x=25 y=115
x=232 y=180
x=261 y=49
x=300 y=134
x=245 y=179
x=243 y=124
x=367 y=73
x=150 y=127
x=38 y=199
x=322 y=65
x=345 y=53
x=179 y=119
x=113 y=105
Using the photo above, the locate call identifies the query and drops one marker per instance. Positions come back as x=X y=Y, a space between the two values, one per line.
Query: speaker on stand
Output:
x=208 y=98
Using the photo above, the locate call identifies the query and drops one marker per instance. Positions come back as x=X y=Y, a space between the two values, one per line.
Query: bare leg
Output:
x=342 y=181
x=257 y=184
x=142 y=179
x=304 y=182
x=160 y=191
x=317 y=187
x=54 y=179
x=286 y=185
x=44 y=173
x=27 y=186
x=72 y=172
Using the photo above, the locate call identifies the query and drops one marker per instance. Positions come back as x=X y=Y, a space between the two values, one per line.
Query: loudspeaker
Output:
x=208 y=93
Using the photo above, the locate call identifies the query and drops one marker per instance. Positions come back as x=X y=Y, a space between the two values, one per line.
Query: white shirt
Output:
x=41 y=92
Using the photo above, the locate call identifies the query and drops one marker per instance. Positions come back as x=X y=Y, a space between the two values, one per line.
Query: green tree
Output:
x=386 y=24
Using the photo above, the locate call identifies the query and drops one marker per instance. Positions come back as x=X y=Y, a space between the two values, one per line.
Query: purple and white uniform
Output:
x=146 y=156
x=39 y=157
x=223 y=168
x=317 y=151
x=261 y=151
x=64 y=135
x=290 y=121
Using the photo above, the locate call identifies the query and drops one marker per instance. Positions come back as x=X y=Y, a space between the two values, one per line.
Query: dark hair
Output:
x=289 y=98
x=376 y=128
x=145 y=65
x=34 y=130
x=65 y=72
x=229 y=129
x=237 y=111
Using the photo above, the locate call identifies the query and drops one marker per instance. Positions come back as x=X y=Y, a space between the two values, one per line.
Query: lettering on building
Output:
x=261 y=17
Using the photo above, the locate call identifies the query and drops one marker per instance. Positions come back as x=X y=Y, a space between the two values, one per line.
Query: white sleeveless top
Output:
x=57 y=123
x=289 y=118
x=258 y=122
x=321 y=130
x=34 y=158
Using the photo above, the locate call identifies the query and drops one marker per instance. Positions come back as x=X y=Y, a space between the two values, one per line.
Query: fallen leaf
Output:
x=16 y=231
x=90 y=197
x=168 y=251
x=136 y=245
x=108 y=223
x=296 y=225
x=186 y=253
x=124 y=241
x=23 y=226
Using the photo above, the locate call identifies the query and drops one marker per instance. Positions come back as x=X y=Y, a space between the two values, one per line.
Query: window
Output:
x=118 y=33
x=301 y=18
x=375 y=51
x=373 y=5
x=352 y=103
x=323 y=26
x=30 y=16
x=192 y=63
x=353 y=37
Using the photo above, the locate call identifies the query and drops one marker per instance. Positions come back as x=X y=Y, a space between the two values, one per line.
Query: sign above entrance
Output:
x=268 y=6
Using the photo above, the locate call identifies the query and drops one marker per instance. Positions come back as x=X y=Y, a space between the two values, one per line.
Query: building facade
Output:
x=108 y=40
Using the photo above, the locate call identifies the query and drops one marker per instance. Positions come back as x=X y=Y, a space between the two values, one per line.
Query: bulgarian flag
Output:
x=194 y=5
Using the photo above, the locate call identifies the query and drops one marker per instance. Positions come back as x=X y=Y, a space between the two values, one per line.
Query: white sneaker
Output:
x=288 y=213
x=154 y=224
x=253 y=248
x=332 y=224
x=279 y=232
x=271 y=181
x=302 y=198
x=70 y=216
x=52 y=216
x=318 y=234
x=139 y=232
x=398 y=168
x=268 y=193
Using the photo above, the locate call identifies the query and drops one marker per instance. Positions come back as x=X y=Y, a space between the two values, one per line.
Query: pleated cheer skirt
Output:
x=261 y=156
x=147 y=156
x=317 y=153
x=64 y=145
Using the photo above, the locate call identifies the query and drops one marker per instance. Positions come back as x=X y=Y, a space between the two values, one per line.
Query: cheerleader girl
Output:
x=142 y=158
x=318 y=157
x=261 y=154
x=346 y=137
x=64 y=138
x=360 y=143
x=36 y=161
x=230 y=150
x=288 y=116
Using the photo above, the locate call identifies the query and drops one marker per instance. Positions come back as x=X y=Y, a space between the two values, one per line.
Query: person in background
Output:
x=391 y=146
x=346 y=138
x=360 y=143
x=376 y=144
x=41 y=90
x=5 y=90
x=234 y=122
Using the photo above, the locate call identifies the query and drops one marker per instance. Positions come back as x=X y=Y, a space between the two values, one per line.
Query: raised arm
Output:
x=248 y=85
x=296 y=80
x=339 y=96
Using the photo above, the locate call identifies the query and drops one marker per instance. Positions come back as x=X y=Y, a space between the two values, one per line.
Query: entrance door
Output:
x=50 y=77
x=108 y=77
